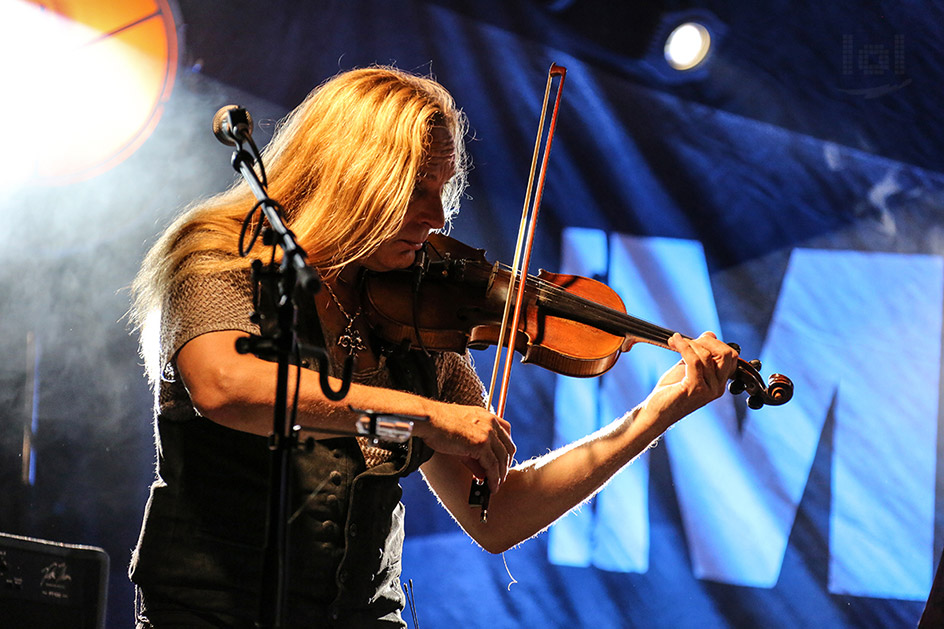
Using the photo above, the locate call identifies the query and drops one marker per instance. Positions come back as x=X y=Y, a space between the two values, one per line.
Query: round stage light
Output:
x=86 y=83
x=687 y=46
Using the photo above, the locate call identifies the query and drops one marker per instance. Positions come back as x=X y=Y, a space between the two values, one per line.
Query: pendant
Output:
x=351 y=340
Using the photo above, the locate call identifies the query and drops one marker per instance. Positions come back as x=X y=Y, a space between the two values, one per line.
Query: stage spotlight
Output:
x=684 y=45
x=687 y=45
x=86 y=82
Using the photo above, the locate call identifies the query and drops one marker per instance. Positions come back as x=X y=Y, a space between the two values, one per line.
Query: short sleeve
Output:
x=200 y=304
x=458 y=381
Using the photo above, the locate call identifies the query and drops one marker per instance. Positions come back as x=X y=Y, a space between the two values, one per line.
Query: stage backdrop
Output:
x=787 y=195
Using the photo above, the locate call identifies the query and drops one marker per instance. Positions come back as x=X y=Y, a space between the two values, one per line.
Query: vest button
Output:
x=353 y=530
x=329 y=527
x=335 y=477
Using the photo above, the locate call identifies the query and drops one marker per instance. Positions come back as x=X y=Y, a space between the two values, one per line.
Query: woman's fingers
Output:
x=503 y=451
x=707 y=360
x=481 y=439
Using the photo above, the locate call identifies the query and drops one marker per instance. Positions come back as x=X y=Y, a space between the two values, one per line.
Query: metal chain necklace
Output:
x=350 y=340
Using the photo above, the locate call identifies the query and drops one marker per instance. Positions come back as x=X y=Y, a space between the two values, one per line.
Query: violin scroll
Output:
x=778 y=389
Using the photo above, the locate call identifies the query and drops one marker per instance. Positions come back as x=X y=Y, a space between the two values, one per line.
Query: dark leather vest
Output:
x=204 y=527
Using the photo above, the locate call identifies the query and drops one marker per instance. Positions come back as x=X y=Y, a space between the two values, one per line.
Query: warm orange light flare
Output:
x=86 y=82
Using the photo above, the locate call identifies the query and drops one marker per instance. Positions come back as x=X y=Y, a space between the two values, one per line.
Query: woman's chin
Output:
x=399 y=261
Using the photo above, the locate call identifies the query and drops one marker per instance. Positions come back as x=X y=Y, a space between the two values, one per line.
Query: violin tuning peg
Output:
x=756 y=364
x=736 y=387
x=735 y=347
x=755 y=402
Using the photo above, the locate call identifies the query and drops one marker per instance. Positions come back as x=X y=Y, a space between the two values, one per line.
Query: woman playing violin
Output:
x=369 y=165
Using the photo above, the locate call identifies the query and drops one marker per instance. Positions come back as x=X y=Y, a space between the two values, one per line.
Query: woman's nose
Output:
x=432 y=213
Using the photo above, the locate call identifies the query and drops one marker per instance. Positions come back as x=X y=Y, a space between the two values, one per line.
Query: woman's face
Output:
x=424 y=213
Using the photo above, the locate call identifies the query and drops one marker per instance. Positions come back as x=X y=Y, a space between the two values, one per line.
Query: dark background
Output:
x=778 y=69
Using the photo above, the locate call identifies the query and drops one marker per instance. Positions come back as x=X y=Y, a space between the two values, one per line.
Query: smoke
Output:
x=68 y=253
x=67 y=257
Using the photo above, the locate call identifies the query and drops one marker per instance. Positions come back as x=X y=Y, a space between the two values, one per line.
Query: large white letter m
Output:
x=857 y=332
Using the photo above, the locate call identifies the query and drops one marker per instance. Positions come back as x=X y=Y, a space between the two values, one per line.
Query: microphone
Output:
x=232 y=124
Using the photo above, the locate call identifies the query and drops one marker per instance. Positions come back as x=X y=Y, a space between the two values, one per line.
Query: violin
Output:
x=452 y=300
x=572 y=325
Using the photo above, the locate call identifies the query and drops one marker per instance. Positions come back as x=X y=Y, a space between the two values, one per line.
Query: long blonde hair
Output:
x=343 y=165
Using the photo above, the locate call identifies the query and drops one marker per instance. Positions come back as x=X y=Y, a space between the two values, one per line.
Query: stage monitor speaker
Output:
x=51 y=585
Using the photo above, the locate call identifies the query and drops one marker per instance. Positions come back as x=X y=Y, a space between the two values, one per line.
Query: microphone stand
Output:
x=283 y=439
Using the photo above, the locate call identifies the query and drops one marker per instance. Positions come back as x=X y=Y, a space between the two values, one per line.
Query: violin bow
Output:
x=479 y=494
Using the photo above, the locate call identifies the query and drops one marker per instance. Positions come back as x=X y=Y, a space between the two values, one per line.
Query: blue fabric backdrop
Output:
x=787 y=195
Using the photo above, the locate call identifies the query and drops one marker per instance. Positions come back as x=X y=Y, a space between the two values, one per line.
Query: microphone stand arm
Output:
x=294 y=257
x=282 y=441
